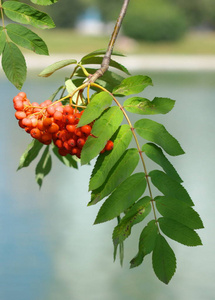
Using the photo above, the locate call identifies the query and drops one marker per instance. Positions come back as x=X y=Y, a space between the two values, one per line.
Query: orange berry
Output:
x=72 y=142
x=27 y=122
x=58 y=115
x=59 y=143
x=20 y=115
x=35 y=133
x=63 y=152
x=71 y=128
x=17 y=98
x=22 y=95
x=86 y=129
x=78 y=132
x=18 y=105
x=20 y=124
x=53 y=128
x=46 y=137
x=68 y=110
x=80 y=142
x=109 y=145
x=51 y=110
x=47 y=122
x=40 y=125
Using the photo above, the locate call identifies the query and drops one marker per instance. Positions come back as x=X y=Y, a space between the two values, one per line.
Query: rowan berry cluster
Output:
x=52 y=121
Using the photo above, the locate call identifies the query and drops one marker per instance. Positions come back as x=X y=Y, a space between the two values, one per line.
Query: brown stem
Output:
x=106 y=60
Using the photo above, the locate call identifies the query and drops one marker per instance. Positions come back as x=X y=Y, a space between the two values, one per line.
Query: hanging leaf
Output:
x=2 y=39
x=97 y=105
x=43 y=167
x=26 y=38
x=170 y=187
x=144 y=106
x=132 y=85
x=179 y=211
x=102 y=131
x=179 y=232
x=44 y=2
x=163 y=260
x=157 y=133
x=146 y=243
x=26 y=14
x=102 y=52
x=136 y=214
x=122 y=197
x=30 y=154
x=106 y=161
x=156 y=154
x=14 y=65
x=67 y=160
x=96 y=60
x=56 y=66
x=121 y=170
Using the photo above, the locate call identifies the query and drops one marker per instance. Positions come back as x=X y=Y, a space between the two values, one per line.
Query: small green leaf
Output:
x=156 y=154
x=14 y=65
x=122 y=198
x=170 y=187
x=121 y=170
x=26 y=38
x=136 y=214
x=2 y=39
x=102 y=52
x=97 y=105
x=57 y=66
x=26 y=14
x=98 y=60
x=146 y=243
x=179 y=211
x=106 y=161
x=44 y=2
x=144 y=106
x=30 y=154
x=157 y=133
x=67 y=160
x=102 y=130
x=132 y=85
x=163 y=260
x=179 y=232
x=43 y=167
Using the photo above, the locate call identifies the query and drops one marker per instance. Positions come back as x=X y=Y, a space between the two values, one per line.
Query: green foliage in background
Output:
x=154 y=21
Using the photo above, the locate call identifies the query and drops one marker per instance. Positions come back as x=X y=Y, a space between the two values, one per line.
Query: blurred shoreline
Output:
x=163 y=62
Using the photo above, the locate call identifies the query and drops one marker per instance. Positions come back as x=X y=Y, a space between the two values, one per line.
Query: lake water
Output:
x=49 y=249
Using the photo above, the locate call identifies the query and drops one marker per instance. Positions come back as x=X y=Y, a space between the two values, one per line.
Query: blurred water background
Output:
x=49 y=249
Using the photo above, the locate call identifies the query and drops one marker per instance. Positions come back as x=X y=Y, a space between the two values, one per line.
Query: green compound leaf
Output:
x=121 y=170
x=122 y=198
x=14 y=65
x=170 y=187
x=98 y=60
x=97 y=105
x=146 y=243
x=57 y=66
x=102 y=130
x=144 y=106
x=163 y=260
x=44 y=2
x=101 y=52
x=2 y=39
x=179 y=232
x=26 y=38
x=106 y=161
x=26 y=14
x=179 y=211
x=30 y=154
x=67 y=160
x=135 y=214
x=132 y=85
x=156 y=154
x=157 y=133
x=43 y=167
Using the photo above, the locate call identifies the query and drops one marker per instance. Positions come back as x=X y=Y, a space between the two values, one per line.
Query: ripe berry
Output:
x=109 y=146
x=68 y=110
x=51 y=110
x=72 y=142
x=20 y=115
x=80 y=143
x=35 y=133
x=27 y=122
x=18 y=105
x=86 y=129
x=53 y=128
x=71 y=128
x=47 y=122
x=58 y=115
x=22 y=95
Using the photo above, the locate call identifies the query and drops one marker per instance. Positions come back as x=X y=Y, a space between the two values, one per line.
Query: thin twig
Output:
x=106 y=60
